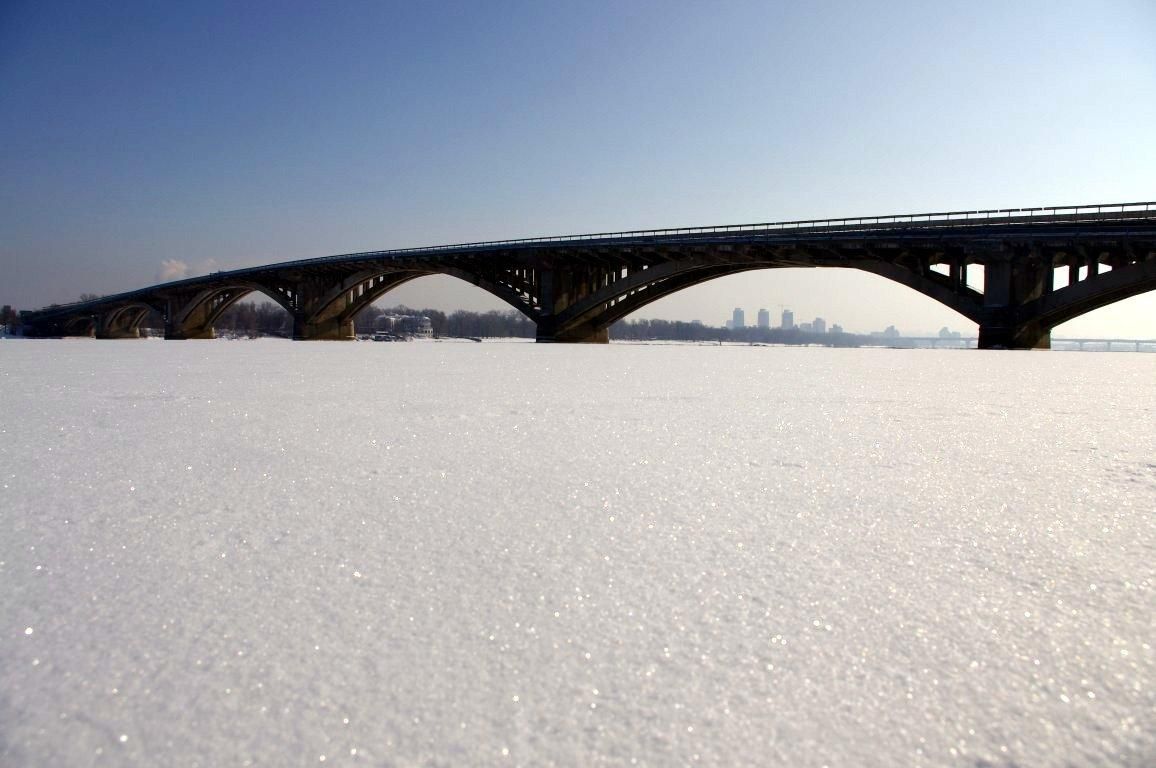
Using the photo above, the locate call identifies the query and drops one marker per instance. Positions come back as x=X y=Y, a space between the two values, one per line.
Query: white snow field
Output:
x=274 y=553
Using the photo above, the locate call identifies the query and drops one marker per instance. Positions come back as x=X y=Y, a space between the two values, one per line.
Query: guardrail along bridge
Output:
x=1017 y=273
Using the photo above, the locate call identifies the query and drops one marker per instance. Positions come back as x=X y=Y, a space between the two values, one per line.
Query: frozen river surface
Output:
x=274 y=553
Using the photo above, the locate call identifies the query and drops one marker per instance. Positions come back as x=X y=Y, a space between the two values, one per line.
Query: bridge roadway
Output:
x=998 y=268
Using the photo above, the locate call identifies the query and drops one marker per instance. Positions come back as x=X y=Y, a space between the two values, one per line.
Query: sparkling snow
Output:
x=276 y=553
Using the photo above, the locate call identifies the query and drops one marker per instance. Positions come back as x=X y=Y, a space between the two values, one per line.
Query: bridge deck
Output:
x=947 y=220
x=575 y=286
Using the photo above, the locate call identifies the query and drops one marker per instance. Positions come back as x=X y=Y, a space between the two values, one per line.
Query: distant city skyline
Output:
x=787 y=321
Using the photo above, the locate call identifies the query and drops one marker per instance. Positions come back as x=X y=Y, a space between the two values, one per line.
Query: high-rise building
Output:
x=738 y=320
x=819 y=325
x=764 y=319
x=788 y=319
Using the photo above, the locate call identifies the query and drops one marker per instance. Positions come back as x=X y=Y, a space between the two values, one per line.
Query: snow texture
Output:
x=276 y=553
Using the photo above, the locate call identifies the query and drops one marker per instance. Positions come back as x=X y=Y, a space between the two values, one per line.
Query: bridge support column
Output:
x=1010 y=282
x=173 y=334
x=333 y=329
x=324 y=308
x=601 y=336
x=1026 y=336
x=188 y=316
x=131 y=333
x=561 y=289
x=120 y=323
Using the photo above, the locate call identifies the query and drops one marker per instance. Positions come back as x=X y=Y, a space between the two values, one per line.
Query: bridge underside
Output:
x=1002 y=278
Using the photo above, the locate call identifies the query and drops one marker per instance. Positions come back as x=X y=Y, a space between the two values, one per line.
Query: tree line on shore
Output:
x=9 y=318
x=677 y=330
x=270 y=319
x=458 y=324
x=267 y=318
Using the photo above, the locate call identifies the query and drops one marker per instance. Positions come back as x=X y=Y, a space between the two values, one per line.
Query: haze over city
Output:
x=144 y=143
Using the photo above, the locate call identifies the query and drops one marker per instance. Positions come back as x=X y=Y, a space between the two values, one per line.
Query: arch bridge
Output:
x=999 y=268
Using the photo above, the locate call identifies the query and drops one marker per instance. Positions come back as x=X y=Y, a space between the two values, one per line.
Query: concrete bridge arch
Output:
x=575 y=287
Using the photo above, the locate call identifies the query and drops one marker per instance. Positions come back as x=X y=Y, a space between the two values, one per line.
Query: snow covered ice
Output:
x=276 y=553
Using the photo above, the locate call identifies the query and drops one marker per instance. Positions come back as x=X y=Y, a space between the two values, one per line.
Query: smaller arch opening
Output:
x=1133 y=318
x=453 y=307
x=153 y=323
x=254 y=316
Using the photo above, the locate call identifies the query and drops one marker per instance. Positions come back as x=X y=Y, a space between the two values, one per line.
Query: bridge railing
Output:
x=992 y=216
x=1098 y=211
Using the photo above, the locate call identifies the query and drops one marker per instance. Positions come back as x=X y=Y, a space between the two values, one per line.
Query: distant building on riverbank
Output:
x=404 y=325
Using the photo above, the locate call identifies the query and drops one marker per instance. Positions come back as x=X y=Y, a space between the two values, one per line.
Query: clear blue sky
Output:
x=139 y=137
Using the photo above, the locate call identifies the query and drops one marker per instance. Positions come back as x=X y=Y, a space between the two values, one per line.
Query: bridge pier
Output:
x=120 y=322
x=190 y=314
x=173 y=334
x=560 y=289
x=1012 y=279
x=1027 y=336
x=333 y=329
x=130 y=333
x=601 y=336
